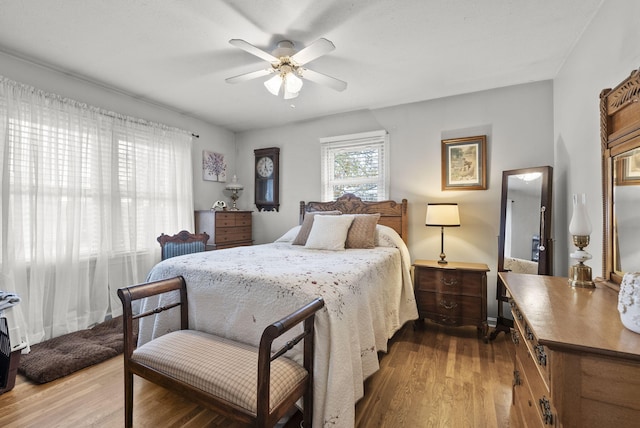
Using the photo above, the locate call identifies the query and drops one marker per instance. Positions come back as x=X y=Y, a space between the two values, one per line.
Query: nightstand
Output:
x=452 y=294
x=226 y=229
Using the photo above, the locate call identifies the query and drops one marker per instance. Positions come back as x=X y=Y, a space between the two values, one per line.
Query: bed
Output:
x=368 y=296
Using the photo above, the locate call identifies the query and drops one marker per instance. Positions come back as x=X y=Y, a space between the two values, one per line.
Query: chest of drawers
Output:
x=226 y=229
x=452 y=294
x=575 y=364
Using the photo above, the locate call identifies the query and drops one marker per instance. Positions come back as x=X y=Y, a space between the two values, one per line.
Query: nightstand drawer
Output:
x=449 y=305
x=454 y=281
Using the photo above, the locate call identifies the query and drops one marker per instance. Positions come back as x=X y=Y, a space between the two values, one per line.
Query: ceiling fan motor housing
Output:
x=284 y=49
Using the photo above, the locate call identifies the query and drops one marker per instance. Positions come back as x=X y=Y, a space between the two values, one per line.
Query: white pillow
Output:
x=329 y=232
x=290 y=235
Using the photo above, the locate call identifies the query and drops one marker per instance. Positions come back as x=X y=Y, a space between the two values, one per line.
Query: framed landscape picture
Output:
x=464 y=163
x=214 y=167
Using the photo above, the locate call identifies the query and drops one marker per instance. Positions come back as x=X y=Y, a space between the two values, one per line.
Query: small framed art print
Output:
x=464 y=163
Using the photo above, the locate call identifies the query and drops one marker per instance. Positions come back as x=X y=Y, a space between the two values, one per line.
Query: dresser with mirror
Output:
x=620 y=136
x=575 y=364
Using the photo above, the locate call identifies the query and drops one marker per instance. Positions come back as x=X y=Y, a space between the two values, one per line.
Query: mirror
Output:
x=626 y=212
x=620 y=134
x=524 y=244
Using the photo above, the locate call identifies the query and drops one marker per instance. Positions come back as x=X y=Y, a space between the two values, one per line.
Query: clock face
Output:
x=264 y=167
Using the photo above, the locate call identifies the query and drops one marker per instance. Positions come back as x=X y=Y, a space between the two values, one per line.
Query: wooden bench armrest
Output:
x=306 y=315
x=141 y=291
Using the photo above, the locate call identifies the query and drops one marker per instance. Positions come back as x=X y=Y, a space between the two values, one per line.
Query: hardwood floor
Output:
x=433 y=376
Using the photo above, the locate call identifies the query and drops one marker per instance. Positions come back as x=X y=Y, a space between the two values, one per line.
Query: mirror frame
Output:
x=545 y=261
x=545 y=256
x=619 y=133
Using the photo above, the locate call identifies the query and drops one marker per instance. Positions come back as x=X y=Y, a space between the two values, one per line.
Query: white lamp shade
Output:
x=234 y=185
x=580 y=224
x=273 y=84
x=292 y=83
x=445 y=215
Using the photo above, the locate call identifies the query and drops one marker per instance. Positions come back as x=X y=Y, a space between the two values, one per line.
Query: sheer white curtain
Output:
x=85 y=193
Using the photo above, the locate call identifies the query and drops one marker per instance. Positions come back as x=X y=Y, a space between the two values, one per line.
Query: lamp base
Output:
x=234 y=198
x=580 y=276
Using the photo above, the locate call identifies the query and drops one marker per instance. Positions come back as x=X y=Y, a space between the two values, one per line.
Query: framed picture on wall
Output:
x=464 y=163
x=214 y=167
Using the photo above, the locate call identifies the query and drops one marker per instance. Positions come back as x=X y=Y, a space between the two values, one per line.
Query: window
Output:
x=85 y=193
x=356 y=163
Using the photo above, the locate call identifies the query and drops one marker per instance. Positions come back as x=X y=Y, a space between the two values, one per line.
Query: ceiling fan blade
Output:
x=323 y=79
x=314 y=50
x=248 y=76
x=246 y=46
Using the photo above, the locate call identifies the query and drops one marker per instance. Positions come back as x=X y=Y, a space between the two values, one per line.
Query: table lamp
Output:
x=235 y=188
x=442 y=215
x=580 y=229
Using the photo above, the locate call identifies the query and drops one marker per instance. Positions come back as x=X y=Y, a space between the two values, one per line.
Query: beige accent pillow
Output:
x=362 y=232
x=329 y=232
x=307 y=223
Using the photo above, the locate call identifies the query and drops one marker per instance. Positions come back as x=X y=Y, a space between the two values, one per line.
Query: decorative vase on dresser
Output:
x=575 y=364
x=226 y=229
x=453 y=294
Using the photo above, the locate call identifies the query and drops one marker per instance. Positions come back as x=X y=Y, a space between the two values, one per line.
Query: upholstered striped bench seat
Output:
x=219 y=366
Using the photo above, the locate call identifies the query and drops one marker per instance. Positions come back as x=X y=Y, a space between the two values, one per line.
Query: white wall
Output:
x=212 y=138
x=602 y=58
x=517 y=120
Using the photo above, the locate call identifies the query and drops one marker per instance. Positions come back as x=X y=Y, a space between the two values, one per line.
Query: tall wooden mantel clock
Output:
x=267 y=186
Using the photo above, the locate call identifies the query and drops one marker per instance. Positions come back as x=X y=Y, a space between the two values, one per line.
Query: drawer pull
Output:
x=448 y=305
x=516 y=378
x=541 y=355
x=545 y=407
x=528 y=332
x=448 y=321
x=515 y=337
x=449 y=282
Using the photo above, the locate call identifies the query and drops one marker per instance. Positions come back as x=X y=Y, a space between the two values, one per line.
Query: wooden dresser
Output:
x=226 y=229
x=452 y=294
x=576 y=365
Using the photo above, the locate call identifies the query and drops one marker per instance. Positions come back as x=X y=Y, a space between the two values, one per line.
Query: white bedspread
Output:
x=236 y=292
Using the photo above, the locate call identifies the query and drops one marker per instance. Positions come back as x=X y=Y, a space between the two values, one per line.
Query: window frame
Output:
x=331 y=146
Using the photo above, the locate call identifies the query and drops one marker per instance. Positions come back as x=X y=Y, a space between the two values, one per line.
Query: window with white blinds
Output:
x=356 y=163
x=85 y=194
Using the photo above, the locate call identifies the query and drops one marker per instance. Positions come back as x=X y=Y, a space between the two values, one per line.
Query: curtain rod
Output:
x=99 y=110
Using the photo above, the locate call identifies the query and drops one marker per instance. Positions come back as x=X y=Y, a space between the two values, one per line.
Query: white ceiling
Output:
x=176 y=53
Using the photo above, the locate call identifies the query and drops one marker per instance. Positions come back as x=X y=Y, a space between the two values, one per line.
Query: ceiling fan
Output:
x=287 y=65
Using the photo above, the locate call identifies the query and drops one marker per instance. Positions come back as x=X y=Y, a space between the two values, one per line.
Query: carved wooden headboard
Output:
x=392 y=214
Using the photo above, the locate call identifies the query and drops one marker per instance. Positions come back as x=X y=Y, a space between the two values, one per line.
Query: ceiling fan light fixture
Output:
x=290 y=95
x=292 y=83
x=273 y=84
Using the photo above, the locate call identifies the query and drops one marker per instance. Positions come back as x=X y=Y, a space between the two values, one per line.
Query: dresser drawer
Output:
x=537 y=353
x=526 y=411
x=233 y=234
x=454 y=281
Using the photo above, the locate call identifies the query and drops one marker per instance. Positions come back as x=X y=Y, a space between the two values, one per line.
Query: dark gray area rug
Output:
x=71 y=352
